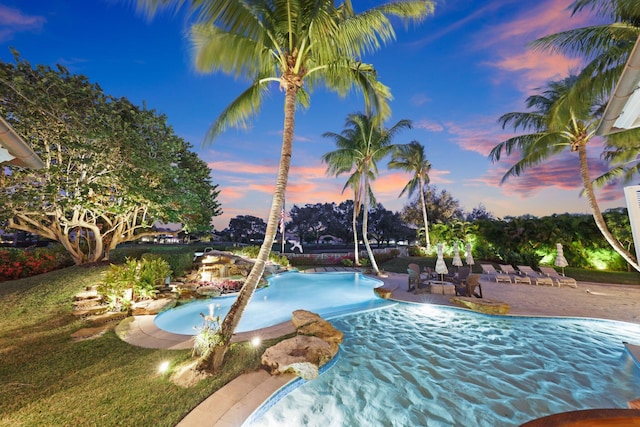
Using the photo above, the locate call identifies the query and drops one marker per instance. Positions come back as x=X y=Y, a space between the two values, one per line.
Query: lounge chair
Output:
x=490 y=271
x=560 y=280
x=538 y=278
x=461 y=275
x=470 y=287
x=518 y=277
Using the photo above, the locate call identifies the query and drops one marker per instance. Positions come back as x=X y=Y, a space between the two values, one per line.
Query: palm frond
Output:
x=240 y=110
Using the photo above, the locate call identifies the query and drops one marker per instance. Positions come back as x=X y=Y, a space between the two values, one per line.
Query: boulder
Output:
x=152 y=306
x=482 y=305
x=383 y=293
x=304 y=317
x=302 y=355
x=325 y=331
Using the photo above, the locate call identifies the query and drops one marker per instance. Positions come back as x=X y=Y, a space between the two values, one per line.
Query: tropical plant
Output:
x=411 y=158
x=361 y=145
x=555 y=124
x=298 y=45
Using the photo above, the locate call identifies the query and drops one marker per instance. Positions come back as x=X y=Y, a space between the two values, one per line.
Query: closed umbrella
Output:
x=469 y=259
x=456 y=256
x=560 y=261
x=441 y=267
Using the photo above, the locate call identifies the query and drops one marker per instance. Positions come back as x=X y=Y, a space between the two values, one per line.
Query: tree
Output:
x=442 y=205
x=410 y=158
x=361 y=145
x=112 y=169
x=291 y=43
x=556 y=123
x=247 y=228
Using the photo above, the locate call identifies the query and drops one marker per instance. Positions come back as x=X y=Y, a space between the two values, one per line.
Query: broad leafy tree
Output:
x=556 y=123
x=411 y=158
x=361 y=145
x=247 y=228
x=111 y=171
x=443 y=207
x=295 y=45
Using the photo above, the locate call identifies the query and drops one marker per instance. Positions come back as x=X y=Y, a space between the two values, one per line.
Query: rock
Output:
x=91 y=333
x=383 y=293
x=87 y=294
x=153 y=306
x=295 y=354
x=482 y=305
x=304 y=317
x=89 y=311
x=325 y=331
x=101 y=319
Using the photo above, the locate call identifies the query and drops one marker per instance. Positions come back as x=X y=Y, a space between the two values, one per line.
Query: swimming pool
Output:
x=420 y=365
x=328 y=294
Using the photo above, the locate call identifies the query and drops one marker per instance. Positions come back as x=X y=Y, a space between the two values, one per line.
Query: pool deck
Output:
x=235 y=402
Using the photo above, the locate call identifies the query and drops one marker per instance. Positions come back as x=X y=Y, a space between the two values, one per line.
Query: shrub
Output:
x=133 y=280
x=21 y=263
x=347 y=262
x=178 y=262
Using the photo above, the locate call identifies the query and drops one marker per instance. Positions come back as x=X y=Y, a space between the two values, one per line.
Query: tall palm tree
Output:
x=410 y=158
x=298 y=45
x=361 y=145
x=556 y=123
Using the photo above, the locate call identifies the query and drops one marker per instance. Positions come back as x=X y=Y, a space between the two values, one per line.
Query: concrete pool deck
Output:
x=236 y=401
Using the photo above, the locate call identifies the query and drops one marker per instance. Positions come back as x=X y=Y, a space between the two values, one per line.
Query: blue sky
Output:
x=453 y=76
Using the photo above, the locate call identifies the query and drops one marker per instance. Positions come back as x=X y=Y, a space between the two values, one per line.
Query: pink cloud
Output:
x=479 y=136
x=428 y=125
x=419 y=99
x=13 y=21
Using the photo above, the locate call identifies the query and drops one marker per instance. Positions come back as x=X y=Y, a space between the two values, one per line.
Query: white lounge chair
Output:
x=560 y=280
x=518 y=277
x=539 y=278
x=490 y=271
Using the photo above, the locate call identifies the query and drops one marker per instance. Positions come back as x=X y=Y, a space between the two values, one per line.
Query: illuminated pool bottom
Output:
x=420 y=365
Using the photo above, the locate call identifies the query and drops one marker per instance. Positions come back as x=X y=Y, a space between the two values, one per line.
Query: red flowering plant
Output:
x=20 y=263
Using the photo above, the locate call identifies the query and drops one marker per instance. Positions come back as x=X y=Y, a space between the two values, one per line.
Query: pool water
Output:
x=420 y=365
x=327 y=294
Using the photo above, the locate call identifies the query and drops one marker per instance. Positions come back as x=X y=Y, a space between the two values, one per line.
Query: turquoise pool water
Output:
x=420 y=365
x=327 y=294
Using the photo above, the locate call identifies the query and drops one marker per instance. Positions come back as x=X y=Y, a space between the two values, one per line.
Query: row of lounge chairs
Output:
x=527 y=275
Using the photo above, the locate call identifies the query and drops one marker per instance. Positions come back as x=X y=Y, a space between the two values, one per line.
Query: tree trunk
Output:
x=365 y=223
x=215 y=359
x=424 y=213
x=356 y=249
x=595 y=209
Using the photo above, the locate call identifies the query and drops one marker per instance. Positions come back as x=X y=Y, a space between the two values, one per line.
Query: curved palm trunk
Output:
x=215 y=359
x=356 y=249
x=597 y=215
x=424 y=213
x=365 y=223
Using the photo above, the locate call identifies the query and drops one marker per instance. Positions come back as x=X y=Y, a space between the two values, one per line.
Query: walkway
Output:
x=235 y=402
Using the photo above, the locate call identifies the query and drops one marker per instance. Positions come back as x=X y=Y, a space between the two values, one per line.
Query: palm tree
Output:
x=410 y=158
x=556 y=123
x=361 y=145
x=298 y=45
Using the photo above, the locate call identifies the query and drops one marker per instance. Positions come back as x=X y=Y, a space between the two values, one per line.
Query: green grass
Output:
x=47 y=379
x=399 y=265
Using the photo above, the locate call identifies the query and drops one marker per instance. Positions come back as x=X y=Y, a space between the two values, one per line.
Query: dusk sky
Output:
x=453 y=76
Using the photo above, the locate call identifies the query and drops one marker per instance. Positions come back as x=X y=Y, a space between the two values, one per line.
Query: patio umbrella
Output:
x=469 y=259
x=456 y=256
x=441 y=267
x=560 y=261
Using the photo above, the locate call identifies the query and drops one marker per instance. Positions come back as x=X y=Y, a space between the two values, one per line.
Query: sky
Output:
x=453 y=76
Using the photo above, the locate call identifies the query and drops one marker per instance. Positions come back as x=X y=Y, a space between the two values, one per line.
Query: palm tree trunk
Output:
x=215 y=359
x=595 y=210
x=424 y=214
x=356 y=249
x=365 y=223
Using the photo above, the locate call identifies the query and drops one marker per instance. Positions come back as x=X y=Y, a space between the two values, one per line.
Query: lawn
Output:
x=47 y=379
